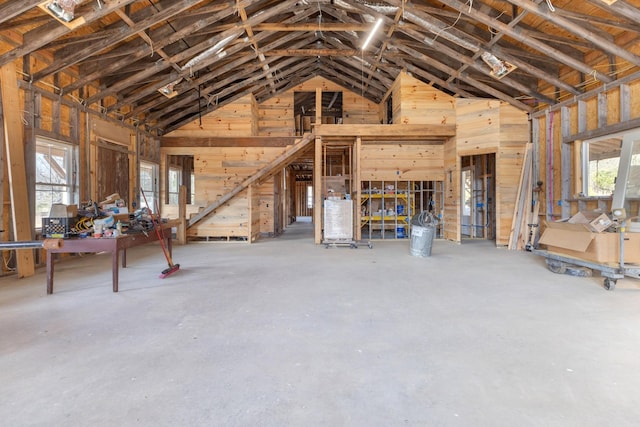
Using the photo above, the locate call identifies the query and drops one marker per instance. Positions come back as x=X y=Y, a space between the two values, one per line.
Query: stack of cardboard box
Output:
x=585 y=236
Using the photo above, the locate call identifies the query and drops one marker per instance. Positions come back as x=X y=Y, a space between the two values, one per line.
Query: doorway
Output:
x=478 y=212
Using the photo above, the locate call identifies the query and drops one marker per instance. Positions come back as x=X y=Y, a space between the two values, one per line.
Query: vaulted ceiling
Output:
x=162 y=63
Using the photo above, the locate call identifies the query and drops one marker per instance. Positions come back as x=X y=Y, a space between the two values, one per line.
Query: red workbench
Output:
x=115 y=245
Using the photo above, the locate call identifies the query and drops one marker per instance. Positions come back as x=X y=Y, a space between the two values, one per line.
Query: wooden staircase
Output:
x=267 y=171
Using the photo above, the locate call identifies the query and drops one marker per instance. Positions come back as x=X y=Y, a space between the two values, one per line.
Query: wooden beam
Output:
x=464 y=77
x=312 y=52
x=318 y=202
x=313 y=27
x=187 y=114
x=604 y=131
x=42 y=35
x=139 y=53
x=518 y=35
x=581 y=30
x=144 y=36
x=188 y=53
x=252 y=141
x=14 y=141
x=120 y=35
x=386 y=131
x=481 y=67
x=11 y=9
x=181 y=235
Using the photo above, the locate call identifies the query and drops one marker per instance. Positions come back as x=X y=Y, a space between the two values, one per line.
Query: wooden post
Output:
x=318 y=106
x=317 y=191
x=355 y=182
x=181 y=235
x=13 y=137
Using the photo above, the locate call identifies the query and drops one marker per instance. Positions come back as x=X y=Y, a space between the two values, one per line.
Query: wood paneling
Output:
x=402 y=162
x=490 y=126
x=276 y=116
x=236 y=119
x=14 y=141
x=219 y=170
x=451 y=191
x=415 y=102
x=478 y=126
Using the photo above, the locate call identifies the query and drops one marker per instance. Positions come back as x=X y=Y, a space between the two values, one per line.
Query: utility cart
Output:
x=602 y=251
x=611 y=273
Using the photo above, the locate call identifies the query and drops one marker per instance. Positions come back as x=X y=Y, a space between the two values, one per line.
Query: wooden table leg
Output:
x=49 y=272
x=115 y=268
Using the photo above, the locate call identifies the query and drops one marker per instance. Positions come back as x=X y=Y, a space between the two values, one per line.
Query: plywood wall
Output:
x=451 y=191
x=514 y=137
x=478 y=129
x=491 y=126
x=415 y=102
x=402 y=162
x=236 y=119
x=218 y=170
x=276 y=116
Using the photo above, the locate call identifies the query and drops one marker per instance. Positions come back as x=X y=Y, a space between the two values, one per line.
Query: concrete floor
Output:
x=286 y=333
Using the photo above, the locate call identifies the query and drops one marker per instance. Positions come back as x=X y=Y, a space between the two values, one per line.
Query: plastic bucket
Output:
x=421 y=240
x=400 y=233
x=400 y=209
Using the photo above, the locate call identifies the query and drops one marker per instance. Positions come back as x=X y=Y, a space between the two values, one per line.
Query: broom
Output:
x=172 y=267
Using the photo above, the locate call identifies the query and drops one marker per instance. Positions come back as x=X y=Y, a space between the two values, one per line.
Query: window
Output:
x=309 y=196
x=601 y=161
x=149 y=184
x=193 y=188
x=174 y=185
x=466 y=192
x=55 y=176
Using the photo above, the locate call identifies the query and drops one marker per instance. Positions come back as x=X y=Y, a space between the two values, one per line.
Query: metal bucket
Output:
x=421 y=240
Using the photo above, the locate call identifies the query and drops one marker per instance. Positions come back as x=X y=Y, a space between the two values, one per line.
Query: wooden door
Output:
x=112 y=172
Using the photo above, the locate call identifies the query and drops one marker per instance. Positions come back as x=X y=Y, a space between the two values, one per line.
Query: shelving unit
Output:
x=386 y=207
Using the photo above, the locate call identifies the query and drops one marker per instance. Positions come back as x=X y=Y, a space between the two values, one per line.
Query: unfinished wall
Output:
x=218 y=170
x=402 y=162
x=276 y=116
x=558 y=134
x=235 y=119
x=451 y=191
x=514 y=137
x=491 y=126
x=415 y=102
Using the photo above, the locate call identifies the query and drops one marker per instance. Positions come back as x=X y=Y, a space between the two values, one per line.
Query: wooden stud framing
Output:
x=14 y=140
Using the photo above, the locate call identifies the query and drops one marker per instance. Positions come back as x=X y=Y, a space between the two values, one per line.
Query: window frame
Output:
x=173 y=195
x=70 y=166
x=150 y=193
x=586 y=161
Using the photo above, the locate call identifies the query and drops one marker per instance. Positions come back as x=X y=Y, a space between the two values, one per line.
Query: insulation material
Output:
x=338 y=219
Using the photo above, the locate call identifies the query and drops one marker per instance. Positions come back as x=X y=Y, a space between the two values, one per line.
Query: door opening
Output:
x=478 y=213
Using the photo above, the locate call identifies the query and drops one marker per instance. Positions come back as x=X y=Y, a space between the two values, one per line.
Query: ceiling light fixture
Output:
x=63 y=9
x=499 y=68
x=609 y=2
x=372 y=33
x=217 y=49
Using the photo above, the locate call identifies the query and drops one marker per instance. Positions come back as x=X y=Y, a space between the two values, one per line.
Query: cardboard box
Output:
x=576 y=241
x=595 y=221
